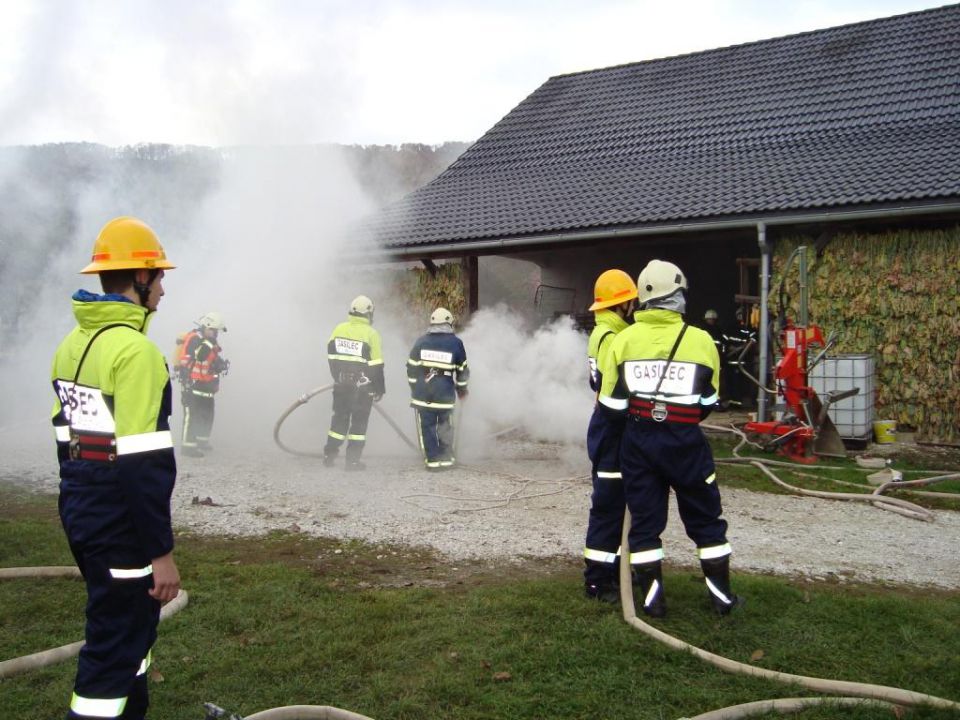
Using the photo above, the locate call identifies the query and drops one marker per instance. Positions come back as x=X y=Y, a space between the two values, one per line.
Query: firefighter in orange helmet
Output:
x=117 y=469
x=614 y=298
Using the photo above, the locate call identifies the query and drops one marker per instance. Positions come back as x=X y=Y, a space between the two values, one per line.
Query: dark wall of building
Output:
x=567 y=274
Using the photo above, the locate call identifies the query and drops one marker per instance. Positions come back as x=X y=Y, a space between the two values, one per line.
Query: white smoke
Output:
x=533 y=381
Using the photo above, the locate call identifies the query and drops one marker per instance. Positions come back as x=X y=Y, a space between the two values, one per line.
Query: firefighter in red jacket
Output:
x=663 y=376
x=201 y=367
x=117 y=469
x=614 y=294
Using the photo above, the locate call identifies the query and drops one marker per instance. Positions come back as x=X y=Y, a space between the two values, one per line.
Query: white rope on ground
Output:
x=15 y=666
x=834 y=687
x=494 y=502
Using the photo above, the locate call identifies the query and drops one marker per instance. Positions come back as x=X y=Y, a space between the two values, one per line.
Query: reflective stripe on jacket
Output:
x=354 y=350
x=206 y=366
x=638 y=357
x=608 y=325
x=436 y=369
x=121 y=472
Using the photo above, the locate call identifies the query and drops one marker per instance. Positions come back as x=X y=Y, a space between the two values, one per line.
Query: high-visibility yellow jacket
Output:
x=638 y=358
x=608 y=325
x=354 y=353
x=111 y=418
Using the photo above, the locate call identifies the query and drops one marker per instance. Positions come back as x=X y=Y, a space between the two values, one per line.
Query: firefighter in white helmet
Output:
x=614 y=296
x=356 y=364
x=200 y=366
x=438 y=374
x=664 y=376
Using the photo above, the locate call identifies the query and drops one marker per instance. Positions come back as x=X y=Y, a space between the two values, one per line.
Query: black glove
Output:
x=376 y=397
x=462 y=392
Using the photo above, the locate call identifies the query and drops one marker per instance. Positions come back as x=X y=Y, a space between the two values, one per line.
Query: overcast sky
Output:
x=229 y=72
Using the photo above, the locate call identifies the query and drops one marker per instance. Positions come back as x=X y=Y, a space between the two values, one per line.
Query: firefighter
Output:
x=664 y=376
x=356 y=364
x=614 y=298
x=438 y=374
x=201 y=365
x=738 y=340
x=117 y=468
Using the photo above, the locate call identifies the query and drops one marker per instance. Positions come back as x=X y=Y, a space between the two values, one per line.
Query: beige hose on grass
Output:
x=15 y=666
x=862 y=691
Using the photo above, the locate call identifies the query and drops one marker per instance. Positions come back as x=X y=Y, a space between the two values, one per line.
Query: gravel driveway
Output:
x=517 y=499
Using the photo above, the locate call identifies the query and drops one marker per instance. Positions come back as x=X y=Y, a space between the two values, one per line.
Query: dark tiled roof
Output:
x=848 y=116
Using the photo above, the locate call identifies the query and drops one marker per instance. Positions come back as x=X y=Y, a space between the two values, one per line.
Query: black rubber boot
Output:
x=648 y=588
x=716 y=573
x=603 y=593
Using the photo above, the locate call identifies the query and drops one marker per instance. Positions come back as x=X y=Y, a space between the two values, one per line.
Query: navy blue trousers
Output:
x=607 y=502
x=351 y=414
x=120 y=630
x=435 y=431
x=655 y=457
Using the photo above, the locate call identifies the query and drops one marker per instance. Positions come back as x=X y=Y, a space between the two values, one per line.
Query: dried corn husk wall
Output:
x=423 y=292
x=893 y=295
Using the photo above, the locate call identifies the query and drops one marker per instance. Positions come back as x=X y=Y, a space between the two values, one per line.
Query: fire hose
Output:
x=304 y=399
x=876 y=498
x=857 y=692
x=15 y=666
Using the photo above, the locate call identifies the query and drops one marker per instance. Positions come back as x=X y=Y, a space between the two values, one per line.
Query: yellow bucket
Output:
x=885 y=431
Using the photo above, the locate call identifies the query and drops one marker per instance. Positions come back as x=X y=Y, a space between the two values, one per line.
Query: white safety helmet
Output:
x=361 y=305
x=659 y=279
x=710 y=315
x=441 y=316
x=212 y=320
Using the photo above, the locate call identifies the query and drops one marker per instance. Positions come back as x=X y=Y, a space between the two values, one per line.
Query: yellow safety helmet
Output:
x=361 y=305
x=126 y=243
x=612 y=288
x=659 y=279
x=441 y=316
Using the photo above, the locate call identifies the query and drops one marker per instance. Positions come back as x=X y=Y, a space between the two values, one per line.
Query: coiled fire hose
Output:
x=304 y=399
x=9 y=668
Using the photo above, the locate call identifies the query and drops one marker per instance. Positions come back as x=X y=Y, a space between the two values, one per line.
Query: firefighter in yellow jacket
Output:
x=614 y=297
x=664 y=376
x=356 y=364
x=117 y=469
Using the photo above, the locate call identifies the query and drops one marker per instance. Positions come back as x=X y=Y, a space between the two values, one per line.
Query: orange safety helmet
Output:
x=612 y=288
x=126 y=243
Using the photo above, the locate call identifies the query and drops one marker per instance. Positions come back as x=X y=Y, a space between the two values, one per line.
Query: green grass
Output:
x=396 y=634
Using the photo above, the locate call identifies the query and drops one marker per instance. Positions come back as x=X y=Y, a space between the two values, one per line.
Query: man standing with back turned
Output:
x=664 y=376
x=614 y=296
x=356 y=364
x=117 y=469
x=438 y=374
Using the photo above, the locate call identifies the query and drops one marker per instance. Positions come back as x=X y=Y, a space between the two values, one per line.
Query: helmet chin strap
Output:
x=143 y=291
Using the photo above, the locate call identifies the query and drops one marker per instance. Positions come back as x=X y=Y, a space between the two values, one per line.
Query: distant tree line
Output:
x=46 y=190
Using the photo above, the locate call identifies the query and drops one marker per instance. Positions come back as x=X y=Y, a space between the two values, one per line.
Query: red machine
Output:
x=805 y=430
